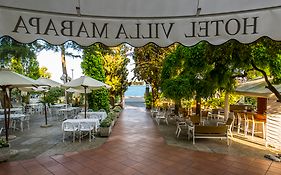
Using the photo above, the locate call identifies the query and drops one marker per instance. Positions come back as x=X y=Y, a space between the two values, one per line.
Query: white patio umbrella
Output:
x=78 y=90
x=8 y=81
x=136 y=22
x=49 y=83
x=86 y=83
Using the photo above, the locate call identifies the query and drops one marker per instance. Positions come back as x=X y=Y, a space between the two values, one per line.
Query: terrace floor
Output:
x=136 y=146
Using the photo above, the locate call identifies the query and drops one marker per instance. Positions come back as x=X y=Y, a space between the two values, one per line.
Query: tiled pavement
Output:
x=136 y=147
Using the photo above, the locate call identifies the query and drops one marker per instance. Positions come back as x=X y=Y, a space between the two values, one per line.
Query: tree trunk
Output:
x=177 y=106
x=64 y=70
x=198 y=106
x=63 y=63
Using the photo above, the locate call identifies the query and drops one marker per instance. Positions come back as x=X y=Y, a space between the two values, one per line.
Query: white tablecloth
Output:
x=76 y=122
x=12 y=116
x=69 y=112
x=13 y=110
x=95 y=115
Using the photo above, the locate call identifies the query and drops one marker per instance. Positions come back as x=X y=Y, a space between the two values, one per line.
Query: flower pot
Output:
x=4 y=154
x=105 y=131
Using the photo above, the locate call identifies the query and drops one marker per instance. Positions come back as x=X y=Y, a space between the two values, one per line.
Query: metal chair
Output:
x=86 y=127
x=161 y=116
x=24 y=119
x=69 y=127
x=243 y=123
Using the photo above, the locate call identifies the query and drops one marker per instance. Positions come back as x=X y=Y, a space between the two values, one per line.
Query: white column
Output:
x=226 y=105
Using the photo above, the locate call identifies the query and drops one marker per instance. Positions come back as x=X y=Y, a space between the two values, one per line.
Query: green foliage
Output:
x=148 y=66
x=115 y=65
x=148 y=101
x=43 y=72
x=251 y=101
x=53 y=95
x=99 y=99
x=108 y=120
x=21 y=58
x=176 y=88
x=117 y=109
x=92 y=65
x=3 y=143
x=186 y=73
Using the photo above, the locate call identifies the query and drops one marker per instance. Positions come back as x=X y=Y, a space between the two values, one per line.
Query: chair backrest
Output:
x=85 y=126
x=93 y=117
x=79 y=116
x=102 y=110
x=24 y=118
x=229 y=121
x=68 y=126
x=195 y=119
x=250 y=116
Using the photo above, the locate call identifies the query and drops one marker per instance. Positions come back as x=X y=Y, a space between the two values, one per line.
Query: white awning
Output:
x=136 y=22
x=256 y=88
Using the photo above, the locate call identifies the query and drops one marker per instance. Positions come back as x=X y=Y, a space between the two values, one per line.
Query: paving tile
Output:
x=136 y=147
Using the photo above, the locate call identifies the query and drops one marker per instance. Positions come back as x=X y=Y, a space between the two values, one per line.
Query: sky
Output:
x=52 y=61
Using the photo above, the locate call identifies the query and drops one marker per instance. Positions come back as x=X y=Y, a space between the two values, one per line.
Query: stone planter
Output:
x=105 y=131
x=4 y=154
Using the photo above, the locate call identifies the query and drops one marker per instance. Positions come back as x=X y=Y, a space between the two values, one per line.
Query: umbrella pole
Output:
x=85 y=102
x=45 y=109
x=5 y=114
x=9 y=109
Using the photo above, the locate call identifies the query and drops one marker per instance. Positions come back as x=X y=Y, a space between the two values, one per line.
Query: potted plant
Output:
x=4 y=150
x=105 y=127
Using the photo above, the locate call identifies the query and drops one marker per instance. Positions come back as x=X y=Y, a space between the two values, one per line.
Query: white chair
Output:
x=243 y=123
x=69 y=127
x=79 y=117
x=229 y=123
x=86 y=127
x=161 y=116
x=251 y=119
x=180 y=126
x=24 y=119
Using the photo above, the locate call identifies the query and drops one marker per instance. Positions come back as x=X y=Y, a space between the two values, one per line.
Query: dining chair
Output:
x=242 y=123
x=161 y=116
x=24 y=119
x=255 y=122
x=69 y=127
x=86 y=127
x=229 y=123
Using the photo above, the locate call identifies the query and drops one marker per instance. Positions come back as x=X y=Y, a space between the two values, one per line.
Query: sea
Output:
x=135 y=91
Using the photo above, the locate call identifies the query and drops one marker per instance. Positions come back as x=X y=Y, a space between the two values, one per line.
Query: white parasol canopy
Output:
x=8 y=81
x=48 y=82
x=136 y=22
x=86 y=83
x=11 y=79
x=78 y=90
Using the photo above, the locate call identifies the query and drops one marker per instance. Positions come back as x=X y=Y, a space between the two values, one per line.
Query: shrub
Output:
x=106 y=122
x=3 y=143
